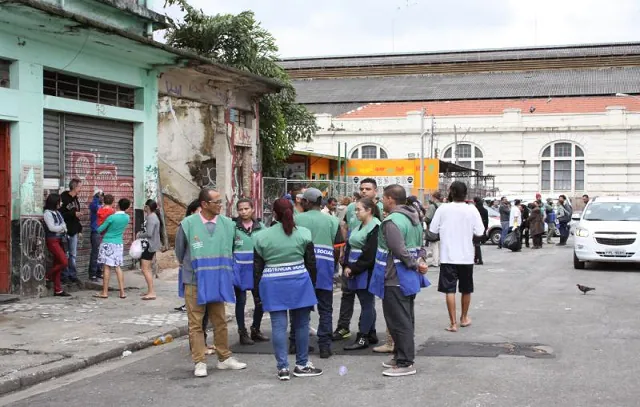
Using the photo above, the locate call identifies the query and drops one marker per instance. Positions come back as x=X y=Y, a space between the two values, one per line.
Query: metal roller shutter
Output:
x=52 y=148
x=100 y=153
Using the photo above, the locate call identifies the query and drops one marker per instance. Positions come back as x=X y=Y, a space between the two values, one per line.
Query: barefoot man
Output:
x=457 y=223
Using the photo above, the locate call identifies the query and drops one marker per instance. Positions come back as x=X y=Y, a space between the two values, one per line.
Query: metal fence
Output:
x=329 y=188
x=272 y=189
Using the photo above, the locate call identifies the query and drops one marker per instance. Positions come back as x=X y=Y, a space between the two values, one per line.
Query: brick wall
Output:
x=173 y=214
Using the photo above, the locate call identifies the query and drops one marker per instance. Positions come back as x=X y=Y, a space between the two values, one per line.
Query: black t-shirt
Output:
x=71 y=206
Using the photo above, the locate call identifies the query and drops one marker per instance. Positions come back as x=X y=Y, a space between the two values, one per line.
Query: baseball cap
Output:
x=312 y=195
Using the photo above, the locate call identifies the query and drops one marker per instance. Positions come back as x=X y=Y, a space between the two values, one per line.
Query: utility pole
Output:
x=455 y=144
x=422 y=133
x=433 y=129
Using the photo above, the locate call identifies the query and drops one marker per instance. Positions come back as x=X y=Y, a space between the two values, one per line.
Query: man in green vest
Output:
x=204 y=248
x=401 y=238
x=327 y=241
x=368 y=189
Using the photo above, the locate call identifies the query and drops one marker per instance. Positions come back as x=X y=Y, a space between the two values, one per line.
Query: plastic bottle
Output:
x=342 y=371
x=126 y=353
x=162 y=340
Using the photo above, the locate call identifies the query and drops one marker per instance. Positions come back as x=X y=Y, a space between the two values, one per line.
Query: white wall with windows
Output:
x=594 y=153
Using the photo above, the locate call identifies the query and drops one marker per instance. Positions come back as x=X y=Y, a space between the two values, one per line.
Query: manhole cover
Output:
x=485 y=349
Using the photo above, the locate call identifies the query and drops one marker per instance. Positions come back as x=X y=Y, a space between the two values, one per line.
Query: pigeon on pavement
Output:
x=584 y=288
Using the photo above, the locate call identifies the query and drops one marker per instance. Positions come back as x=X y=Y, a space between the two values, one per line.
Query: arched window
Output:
x=369 y=151
x=468 y=156
x=562 y=167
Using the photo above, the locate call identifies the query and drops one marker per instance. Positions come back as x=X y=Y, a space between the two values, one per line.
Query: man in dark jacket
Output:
x=70 y=210
x=484 y=215
x=505 y=211
x=564 y=217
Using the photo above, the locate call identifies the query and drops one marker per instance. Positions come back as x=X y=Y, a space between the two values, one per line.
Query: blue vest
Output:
x=285 y=282
x=243 y=256
x=361 y=281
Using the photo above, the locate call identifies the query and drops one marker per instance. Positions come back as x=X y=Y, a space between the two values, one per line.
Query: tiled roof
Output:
x=553 y=52
x=482 y=85
x=495 y=107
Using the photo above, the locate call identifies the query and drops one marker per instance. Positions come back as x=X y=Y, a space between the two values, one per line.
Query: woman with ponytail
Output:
x=285 y=274
x=151 y=242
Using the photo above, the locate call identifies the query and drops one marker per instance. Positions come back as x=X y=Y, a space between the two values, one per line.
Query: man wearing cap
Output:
x=327 y=240
x=95 y=271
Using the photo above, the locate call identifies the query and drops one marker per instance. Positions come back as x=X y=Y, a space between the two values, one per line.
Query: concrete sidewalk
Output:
x=52 y=336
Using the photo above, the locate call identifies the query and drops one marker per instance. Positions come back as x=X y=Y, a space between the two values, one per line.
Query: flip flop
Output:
x=148 y=298
x=96 y=295
x=122 y=297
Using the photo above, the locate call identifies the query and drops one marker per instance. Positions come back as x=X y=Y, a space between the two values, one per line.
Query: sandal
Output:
x=145 y=298
x=101 y=296
x=122 y=297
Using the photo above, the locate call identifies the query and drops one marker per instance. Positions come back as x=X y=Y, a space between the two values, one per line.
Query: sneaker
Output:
x=391 y=363
x=397 y=371
x=284 y=375
x=373 y=338
x=182 y=308
x=62 y=294
x=231 y=364
x=200 y=370
x=325 y=353
x=341 y=334
x=307 y=371
x=386 y=347
x=93 y=279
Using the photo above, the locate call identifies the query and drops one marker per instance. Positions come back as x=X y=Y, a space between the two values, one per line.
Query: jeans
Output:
x=367 y=311
x=564 y=232
x=54 y=245
x=70 y=273
x=94 y=267
x=241 y=301
x=504 y=232
x=400 y=318
x=279 y=323
x=325 y=313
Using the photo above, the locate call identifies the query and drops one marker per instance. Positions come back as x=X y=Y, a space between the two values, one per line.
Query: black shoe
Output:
x=373 y=338
x=258 y=336
x=93 y=279
x=325 y=353
x=341 y=334
x=292 y=349
x=62 y=294
x=360 y=343
x=284 y=375
x=306 y=371
x=182 y=308
x=244 y=337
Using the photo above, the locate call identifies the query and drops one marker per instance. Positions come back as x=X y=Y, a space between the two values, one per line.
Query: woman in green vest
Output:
x=247 y=229
x=285 y=273
x=360 y=259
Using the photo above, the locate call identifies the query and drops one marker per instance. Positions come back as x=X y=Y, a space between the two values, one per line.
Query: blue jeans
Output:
x=279 y=324
x=504 y=232
x=564 y=230
x=241 y=301
x=94 y=267
x=367 y=311
x=70 y=272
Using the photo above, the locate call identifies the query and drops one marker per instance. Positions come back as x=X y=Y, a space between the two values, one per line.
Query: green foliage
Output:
x=239 y=41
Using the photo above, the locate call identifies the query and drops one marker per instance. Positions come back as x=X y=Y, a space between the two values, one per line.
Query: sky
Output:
x=345 y=27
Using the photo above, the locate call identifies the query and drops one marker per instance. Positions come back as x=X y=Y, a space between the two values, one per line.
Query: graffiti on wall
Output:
x=30 y=190
x=96 y=173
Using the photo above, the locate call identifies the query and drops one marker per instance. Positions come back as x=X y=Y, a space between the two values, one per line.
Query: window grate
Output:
x=87 y=90
x=4 y=73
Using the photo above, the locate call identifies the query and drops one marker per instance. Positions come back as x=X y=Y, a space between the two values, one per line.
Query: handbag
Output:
x=135 y=251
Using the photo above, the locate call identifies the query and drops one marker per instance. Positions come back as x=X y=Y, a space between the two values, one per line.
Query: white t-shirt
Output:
x=457 y=223
x=515 y=216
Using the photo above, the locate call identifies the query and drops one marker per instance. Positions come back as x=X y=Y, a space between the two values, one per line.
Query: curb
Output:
x=38 y=374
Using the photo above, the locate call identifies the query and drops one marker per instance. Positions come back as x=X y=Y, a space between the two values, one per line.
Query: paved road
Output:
x=527 y=297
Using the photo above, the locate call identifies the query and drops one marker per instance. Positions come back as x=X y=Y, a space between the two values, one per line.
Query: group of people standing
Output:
x=63 y=229
x=289 y=267
x=529 y=220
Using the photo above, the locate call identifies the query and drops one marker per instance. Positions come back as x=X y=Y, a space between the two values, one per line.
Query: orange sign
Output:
x=404 y=172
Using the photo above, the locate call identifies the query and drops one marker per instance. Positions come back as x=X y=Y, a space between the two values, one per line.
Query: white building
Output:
x=557 y=120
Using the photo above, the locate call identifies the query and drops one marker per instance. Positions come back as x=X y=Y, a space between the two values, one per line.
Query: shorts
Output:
x=450 y=274
x=147 y=255
x=110 y=254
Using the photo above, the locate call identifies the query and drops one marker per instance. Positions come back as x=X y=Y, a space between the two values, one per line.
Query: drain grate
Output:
x=484 y=349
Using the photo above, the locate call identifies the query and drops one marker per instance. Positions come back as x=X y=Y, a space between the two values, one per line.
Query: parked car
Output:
x=608 y=231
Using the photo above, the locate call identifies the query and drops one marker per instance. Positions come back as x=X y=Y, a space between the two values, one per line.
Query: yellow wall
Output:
x=398 y=168
x=319 y=166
